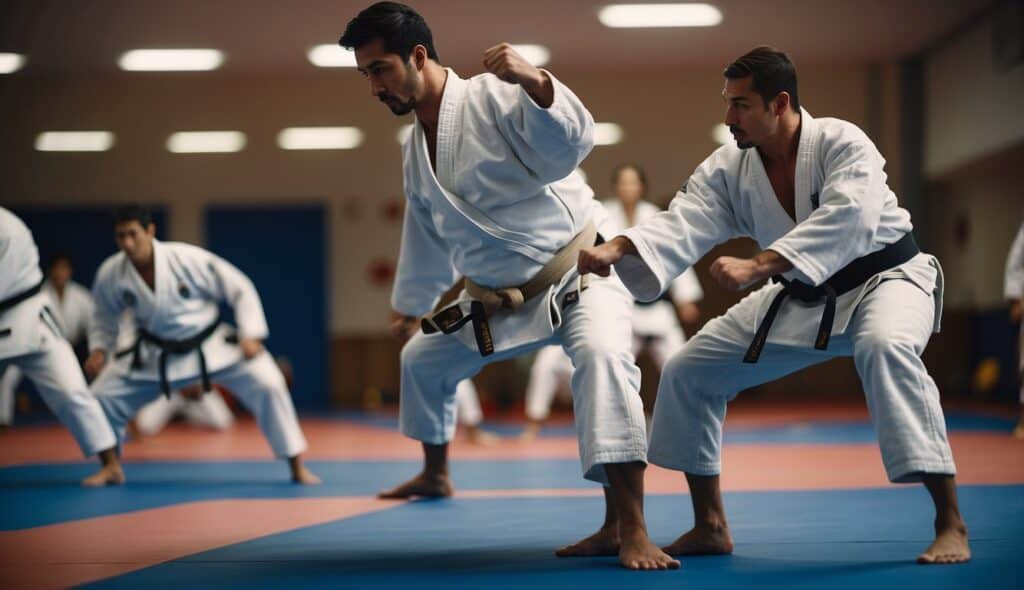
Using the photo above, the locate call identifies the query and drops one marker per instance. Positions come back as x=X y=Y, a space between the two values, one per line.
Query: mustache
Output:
x=384 y=97
x=735 y=129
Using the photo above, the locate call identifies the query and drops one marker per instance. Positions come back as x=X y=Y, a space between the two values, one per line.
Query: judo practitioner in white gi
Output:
x=32 y=341
x=851 y=282
x=71 y=304
x=1013 y=288
x=656 y=326
x=174 y=291
x=492 y=195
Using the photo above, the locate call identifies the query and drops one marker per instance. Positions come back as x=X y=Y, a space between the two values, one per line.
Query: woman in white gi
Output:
x=813 y=194
x=71 y=304
x=493 y=196
x=174 y=291
x=1013 y=288
x=32 y=341
x=656 y=325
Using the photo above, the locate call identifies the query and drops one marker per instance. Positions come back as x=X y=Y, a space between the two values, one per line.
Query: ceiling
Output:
x=272 y=36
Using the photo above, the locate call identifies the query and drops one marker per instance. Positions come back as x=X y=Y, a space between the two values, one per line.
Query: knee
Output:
x=884 y=345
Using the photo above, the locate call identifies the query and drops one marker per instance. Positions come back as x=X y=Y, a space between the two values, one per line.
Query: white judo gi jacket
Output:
x=844 y=210
x=20 y=331
x=505 y=198
x=190 y=283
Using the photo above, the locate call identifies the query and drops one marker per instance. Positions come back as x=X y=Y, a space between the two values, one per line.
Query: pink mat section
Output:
x=82 y=551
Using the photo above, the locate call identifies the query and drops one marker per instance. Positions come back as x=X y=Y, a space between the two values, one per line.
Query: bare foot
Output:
x=1018 y=433
x=950 y=546
x=305 y=477
x=481 y=437
x=602 y=543
x=427 y=486
x=108 y=475
x=702 y=541
x=639 y=553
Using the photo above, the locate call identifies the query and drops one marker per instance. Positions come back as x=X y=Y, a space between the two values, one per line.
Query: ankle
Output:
x=715 y=523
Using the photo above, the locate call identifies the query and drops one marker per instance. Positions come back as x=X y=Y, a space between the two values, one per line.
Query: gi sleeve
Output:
x=425 y=270
x=699 y=217
x=1013 y=287
x=686 y=288
x=551 y=142
x=233 y=287
x=107 y=308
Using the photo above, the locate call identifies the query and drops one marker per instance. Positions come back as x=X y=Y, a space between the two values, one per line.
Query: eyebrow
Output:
x=374 y=63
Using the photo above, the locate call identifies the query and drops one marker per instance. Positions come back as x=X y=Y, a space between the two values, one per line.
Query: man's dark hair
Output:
x=127 y=213
x=58 y=257
x=772 y=73
x=400 y=28
x=618 y=170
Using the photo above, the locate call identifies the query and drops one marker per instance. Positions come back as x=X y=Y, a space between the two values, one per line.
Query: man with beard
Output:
x=493 y=196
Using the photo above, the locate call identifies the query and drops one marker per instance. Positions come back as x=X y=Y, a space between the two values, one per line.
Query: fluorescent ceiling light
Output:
x=403 y=133
x=171 y=60
x=194 y=142
x=331 y=55
x=536 y=55
x=11 y=62
x=659 y=15
x=74 y=141
x=607 y=134
x=721 y=134
x=320 y=138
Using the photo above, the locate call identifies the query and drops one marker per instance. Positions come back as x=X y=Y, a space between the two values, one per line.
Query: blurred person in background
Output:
x=1013 y=288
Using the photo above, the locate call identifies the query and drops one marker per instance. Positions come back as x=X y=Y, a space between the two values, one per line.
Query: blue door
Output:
x=283 y=251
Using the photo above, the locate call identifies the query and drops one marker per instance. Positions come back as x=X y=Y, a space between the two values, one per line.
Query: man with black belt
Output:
x=174 y=291
x=848 y=281
x=31 y=340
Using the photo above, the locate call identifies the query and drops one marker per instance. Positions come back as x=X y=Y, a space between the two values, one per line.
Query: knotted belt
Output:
x=19 y=297
x=485 y=302
x=847 y=279
x=172 y=347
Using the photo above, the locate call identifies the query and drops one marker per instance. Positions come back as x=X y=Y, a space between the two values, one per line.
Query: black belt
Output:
x=18 y=298
x=847 y=279
x=173 y=347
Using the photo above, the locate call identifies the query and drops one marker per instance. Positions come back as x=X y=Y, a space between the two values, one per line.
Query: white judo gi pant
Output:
x=58 y=378
x=256 y=383
x=886 y=336
x=596 y=335
x=209 y=410
x=552 y=368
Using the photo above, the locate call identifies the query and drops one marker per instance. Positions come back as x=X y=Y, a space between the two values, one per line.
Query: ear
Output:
x=781 y=103
x=151 y=230
x=419 y=57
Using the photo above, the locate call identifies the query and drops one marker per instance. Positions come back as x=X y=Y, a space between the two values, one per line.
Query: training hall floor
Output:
x=807 y=498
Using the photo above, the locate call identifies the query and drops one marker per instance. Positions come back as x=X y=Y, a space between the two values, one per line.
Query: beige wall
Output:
x=667 y=116
x=973 y=109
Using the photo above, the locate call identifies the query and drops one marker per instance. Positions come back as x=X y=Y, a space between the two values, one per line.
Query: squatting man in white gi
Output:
x=493 y=196
x=32 y=341
x=174 y=291
x=850 y=282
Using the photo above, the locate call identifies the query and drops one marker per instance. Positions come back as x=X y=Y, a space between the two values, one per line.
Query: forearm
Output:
x=769 y=263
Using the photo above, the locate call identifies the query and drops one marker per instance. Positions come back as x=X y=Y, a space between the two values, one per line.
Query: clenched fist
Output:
x=735 y=273
x=94 y=364
x=599 y=259
x=404 y=327
x=505 y=63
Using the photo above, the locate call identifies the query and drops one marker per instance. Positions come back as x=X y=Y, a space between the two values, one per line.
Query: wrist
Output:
x=624 y=245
